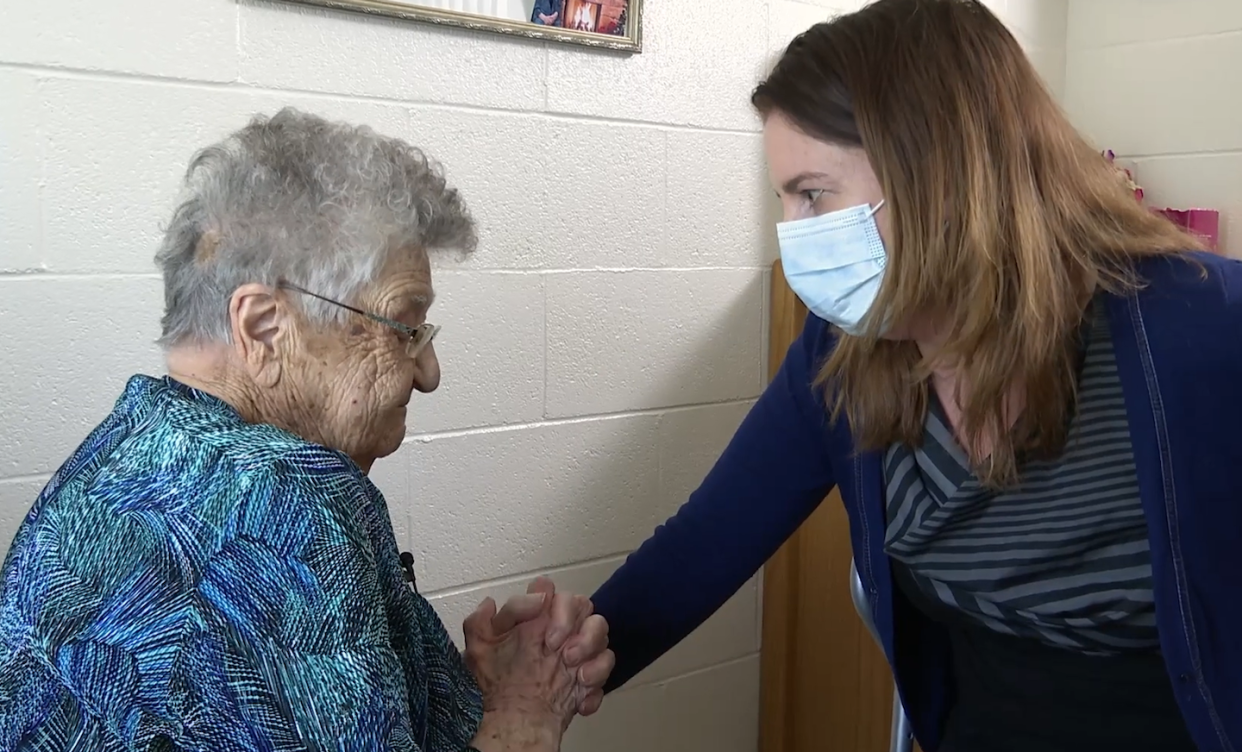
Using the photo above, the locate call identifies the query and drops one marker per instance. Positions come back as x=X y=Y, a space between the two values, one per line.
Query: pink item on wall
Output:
x=1202 y=223
x=1125 y=174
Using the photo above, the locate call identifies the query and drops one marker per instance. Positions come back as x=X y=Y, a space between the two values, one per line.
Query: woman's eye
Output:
x=812 y=195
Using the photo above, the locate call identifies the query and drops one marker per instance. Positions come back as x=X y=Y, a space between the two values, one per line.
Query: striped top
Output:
x=1063 y=557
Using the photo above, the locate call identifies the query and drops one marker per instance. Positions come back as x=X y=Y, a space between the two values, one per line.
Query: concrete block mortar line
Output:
x=41 y=135
x=238 y=25
x=629 y=269
x=769 y=10
x=1156 y=42
x=67 y=72
x=524 y=577
x=665 y=176
x=1180 y=154
x=547 y=52
x=46 y=275
x=19 y=479
x=39 y=273
x=426 y=438
x=692 y=673
x=483 y=430
x=543 y=293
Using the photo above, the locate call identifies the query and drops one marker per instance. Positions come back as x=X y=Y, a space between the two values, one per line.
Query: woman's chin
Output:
x=395 y=433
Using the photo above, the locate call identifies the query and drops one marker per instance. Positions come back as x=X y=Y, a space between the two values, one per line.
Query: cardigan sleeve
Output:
x=773 y=474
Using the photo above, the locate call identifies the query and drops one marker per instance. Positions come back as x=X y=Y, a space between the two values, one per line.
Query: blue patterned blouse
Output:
x=189 y=581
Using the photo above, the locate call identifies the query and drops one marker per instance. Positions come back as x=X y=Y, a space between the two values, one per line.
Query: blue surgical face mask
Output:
x=834 y=263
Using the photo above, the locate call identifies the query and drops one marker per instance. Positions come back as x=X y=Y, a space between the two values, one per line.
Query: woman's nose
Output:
x=427 y=370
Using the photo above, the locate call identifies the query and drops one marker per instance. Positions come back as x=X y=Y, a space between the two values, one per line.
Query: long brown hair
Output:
x=1004 y=220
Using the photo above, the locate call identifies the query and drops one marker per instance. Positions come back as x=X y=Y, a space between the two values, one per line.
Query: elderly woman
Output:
x=212 y=570
x=1024 y=385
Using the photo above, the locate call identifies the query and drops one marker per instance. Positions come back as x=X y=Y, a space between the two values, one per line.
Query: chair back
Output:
x=859 y=595
x=902 y=737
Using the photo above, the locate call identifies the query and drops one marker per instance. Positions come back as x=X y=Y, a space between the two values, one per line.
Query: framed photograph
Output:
x=605 y=24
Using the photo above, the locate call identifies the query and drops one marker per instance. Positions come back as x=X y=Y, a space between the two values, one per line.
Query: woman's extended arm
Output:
x=773 y=474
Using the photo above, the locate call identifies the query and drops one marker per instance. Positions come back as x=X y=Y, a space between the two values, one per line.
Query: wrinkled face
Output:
x=352 y=383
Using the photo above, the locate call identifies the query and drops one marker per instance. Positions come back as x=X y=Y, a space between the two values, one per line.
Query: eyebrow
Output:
x=791 y=185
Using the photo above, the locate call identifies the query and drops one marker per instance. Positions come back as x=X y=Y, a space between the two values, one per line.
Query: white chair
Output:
x=901 y=735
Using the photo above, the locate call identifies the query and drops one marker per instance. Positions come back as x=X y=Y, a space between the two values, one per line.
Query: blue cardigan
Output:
x=1179 y=352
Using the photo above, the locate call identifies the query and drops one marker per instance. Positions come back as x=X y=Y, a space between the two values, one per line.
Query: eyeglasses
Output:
x=416 y=338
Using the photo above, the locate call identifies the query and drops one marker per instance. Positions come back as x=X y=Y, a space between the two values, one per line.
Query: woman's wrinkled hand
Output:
x=581 y=637
x=517 y=673
x=544 y=653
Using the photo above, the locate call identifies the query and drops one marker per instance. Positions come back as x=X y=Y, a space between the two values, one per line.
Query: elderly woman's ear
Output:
x=259 y=321
x=250 y=458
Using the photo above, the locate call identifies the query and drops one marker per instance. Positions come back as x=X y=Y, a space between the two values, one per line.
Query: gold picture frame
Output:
x=631 y=41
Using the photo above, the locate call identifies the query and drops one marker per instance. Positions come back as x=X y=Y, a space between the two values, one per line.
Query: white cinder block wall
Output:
x=1160 y=83
x=598 y=350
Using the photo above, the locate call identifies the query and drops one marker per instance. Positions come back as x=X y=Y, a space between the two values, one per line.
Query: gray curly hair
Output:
x=297 y=198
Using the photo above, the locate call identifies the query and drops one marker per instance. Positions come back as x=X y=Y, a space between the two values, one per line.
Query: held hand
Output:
x=573 y=630
x=581 y=636
x=516 y=672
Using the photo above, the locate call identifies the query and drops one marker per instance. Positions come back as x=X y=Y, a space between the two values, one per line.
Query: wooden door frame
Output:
x=813 y=639
x=787 y=316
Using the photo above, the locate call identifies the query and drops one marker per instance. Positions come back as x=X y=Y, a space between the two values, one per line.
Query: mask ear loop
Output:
x=876 y=208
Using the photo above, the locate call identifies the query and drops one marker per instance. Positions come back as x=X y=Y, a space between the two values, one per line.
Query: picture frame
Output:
x=600 y=24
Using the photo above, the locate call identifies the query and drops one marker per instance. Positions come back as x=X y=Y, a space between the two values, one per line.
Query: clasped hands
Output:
x=539 y=660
